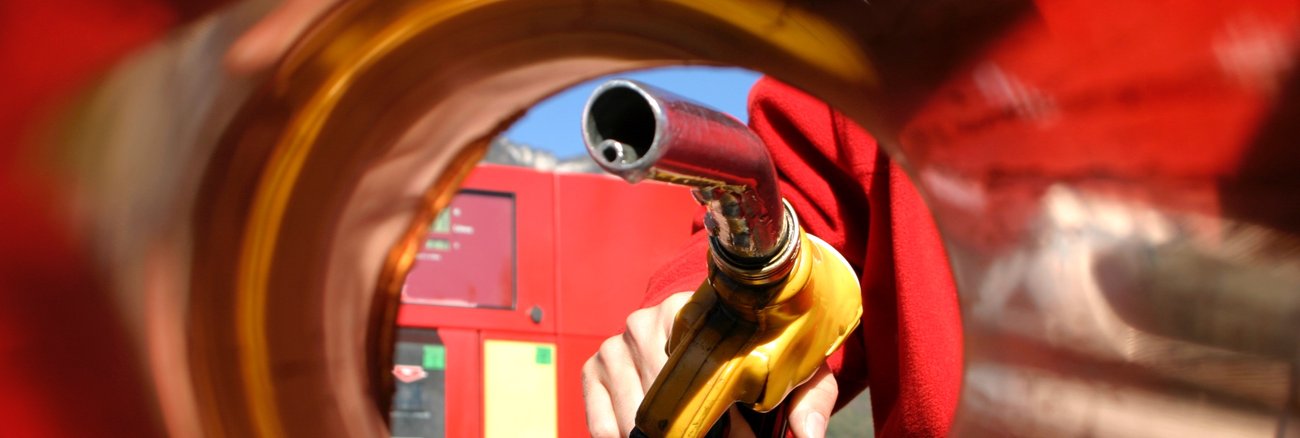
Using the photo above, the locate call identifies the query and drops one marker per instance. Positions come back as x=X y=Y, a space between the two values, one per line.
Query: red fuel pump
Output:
x=512 y=290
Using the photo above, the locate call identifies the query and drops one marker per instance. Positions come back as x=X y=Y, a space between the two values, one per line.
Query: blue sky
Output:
x=554 y=124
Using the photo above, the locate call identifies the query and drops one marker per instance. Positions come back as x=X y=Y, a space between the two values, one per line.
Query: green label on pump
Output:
x=435 y=357
x=544 y=355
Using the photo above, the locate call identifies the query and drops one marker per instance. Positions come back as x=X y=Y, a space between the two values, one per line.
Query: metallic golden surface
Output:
x=724 y=351
x=1049 y=140
x=336 y=154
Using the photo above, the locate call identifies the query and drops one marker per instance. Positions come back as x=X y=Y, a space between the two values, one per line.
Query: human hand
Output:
x=615 y=380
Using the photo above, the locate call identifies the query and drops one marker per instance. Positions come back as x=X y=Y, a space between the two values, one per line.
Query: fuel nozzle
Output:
x=777 y=301
x=638 y=132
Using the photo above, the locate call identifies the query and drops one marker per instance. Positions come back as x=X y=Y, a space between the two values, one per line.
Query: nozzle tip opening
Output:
x=615 y=152
x=621 y=124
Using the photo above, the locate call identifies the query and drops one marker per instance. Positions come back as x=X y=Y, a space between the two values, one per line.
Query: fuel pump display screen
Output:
x=467 y=258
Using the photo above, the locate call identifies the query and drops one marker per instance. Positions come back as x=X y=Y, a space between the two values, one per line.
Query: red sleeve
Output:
x=846 y=191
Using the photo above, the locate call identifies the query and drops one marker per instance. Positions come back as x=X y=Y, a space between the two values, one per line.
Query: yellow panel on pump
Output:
x=519 y=390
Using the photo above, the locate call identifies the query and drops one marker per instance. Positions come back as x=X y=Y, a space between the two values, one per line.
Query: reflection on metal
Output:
x=636 y=132
x=777 y=301
x=1116 y=188
x=1126 y=320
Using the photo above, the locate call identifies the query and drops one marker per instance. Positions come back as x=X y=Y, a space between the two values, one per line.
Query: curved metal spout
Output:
x=636 y=131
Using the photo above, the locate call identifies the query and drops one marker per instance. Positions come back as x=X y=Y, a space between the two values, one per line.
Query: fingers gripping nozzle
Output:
x=777 y=300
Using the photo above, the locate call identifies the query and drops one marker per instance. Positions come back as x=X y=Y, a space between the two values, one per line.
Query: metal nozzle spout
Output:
x=637 y=132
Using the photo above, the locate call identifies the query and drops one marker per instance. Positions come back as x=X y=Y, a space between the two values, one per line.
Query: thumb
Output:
x=812 y=404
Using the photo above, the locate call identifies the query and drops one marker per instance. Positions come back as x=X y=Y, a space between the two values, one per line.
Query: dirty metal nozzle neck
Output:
x=772 y=270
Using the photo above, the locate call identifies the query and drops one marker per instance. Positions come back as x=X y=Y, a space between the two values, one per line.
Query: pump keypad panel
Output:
x=467 y=257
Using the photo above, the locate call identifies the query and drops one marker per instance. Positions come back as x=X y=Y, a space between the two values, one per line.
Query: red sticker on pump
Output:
x=409 y=373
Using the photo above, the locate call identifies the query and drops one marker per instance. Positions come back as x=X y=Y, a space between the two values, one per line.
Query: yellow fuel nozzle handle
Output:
x=777 y=301
x=751 y=344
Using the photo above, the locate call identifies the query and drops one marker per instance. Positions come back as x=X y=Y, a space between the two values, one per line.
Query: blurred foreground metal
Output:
x=1116 y=185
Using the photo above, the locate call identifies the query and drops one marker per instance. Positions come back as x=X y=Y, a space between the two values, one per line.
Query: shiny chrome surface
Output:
x=270 y=295
x=1127 y=321
x=636 y=131
x=1115 y=185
